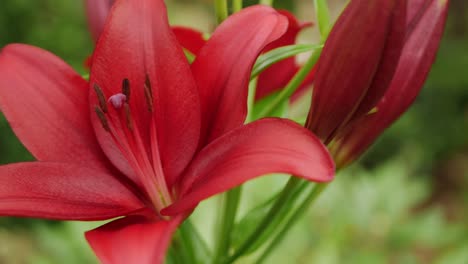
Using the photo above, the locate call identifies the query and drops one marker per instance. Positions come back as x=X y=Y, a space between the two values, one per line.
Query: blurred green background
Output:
x=405 y=201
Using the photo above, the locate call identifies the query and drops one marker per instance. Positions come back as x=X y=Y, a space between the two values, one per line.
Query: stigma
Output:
x=117 y=100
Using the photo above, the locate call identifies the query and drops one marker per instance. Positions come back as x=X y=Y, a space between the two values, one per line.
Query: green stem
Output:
x=226 y=224
x=221 y=9
x=296 y=215
x=178 y=251
x=232 y=197
x=193 y=244
x=200 y=245
x=292 y=86
x=170 y=258
x=187 y=244
x=266 y=2
x=251 y=100
x=269 y=220
x=173 y=257
x=236 y=5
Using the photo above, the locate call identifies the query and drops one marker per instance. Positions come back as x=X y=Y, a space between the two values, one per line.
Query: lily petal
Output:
x=132 y=240
x=222 y=68
x=63 y=191
x=424 y=33
x=265 y=146
x=137 y=42
x=190 y=39
x=46 y=104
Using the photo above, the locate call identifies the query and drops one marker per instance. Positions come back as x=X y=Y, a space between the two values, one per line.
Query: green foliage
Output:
x=373 y=217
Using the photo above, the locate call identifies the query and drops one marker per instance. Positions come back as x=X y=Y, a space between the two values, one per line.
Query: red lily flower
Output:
x=148 y=137
x=425 y=25
x=357 y=63
x=272 y=79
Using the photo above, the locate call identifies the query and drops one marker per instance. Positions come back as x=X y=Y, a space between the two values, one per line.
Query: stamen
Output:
x=148 y=94
x=117 y=100
x=102 y=117
x=128 y=116
x=126 y=88
x=101 y=97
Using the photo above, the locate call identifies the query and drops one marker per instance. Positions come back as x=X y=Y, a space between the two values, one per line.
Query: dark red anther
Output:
x=102 y=117
x=148 y=94
x=126 y=88
x=101 y=98
x=128 y=116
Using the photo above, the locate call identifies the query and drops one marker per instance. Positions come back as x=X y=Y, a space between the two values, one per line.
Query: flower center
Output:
x=116 y=118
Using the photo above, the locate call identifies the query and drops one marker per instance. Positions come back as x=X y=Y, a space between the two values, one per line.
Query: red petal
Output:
x=265 y=146
x=97 y=11
x=290 y=36
x=189 y=38
x=278 y=75
x=132 y=240
x=222 y=68
x=63 y=191
x=424 y=34
x=136 y=41
x=46 y=104
x=351 y=57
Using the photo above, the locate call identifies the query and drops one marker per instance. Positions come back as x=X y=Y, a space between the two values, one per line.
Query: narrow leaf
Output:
x=266 y=60
x=322 y=12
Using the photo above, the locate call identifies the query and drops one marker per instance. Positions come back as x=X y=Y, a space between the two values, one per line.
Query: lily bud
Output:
x=97 y=11
x=357 y=63
x=425 y=24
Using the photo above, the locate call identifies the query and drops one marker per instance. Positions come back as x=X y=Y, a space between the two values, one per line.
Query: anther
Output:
x=128 y=116
x=148 y=94
x=102 y=117
x=126 y=88
x=101 y=97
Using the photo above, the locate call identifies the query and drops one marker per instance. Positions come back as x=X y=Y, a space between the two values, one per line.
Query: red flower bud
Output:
x=357 y=63
x=424 y=28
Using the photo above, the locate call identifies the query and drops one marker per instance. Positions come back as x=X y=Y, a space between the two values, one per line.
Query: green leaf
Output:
x=279 y=54
x=322 y=13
